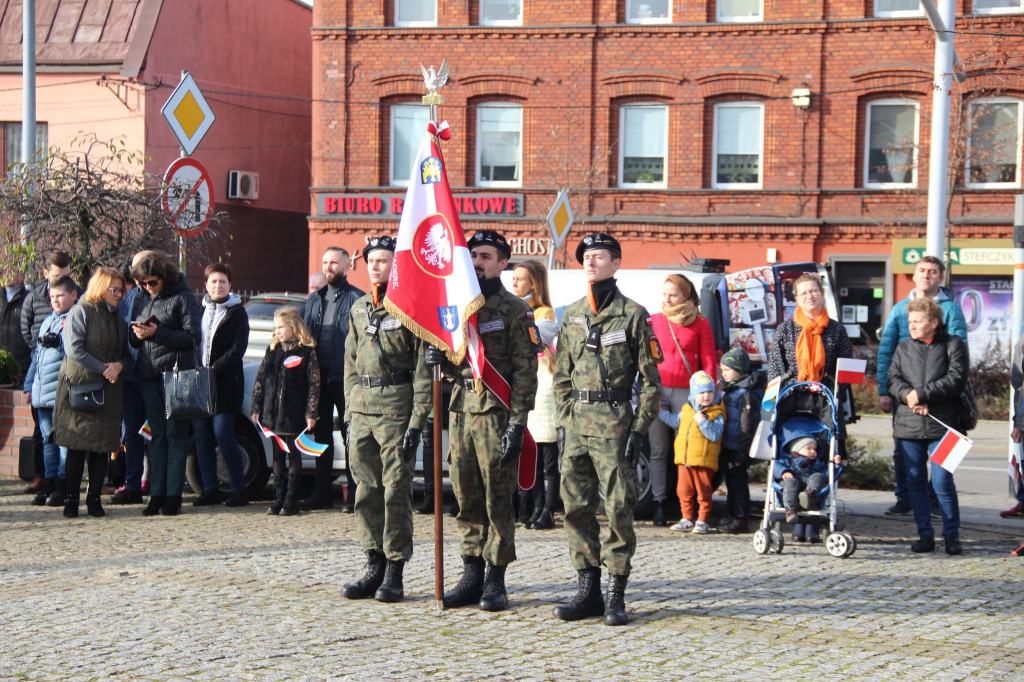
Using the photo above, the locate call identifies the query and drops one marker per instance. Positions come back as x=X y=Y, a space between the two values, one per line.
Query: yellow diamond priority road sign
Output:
x=560 y=218
x=188 y=114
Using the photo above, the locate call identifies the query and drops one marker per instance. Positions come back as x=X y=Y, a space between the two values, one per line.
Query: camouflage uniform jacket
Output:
x=405 y=354
x=628 y=347
x=511 y=344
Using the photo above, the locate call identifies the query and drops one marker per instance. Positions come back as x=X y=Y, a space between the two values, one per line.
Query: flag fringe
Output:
x=455 y=356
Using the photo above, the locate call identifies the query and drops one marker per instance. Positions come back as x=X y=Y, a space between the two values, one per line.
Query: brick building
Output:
x=720 y=128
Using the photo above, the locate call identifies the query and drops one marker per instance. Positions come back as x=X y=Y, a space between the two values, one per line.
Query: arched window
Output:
x=408 y=125
x=501 y=12
x=740 y=10
x=415 y=12
x=643 y=145
x=737 y=145
x=890 y=143
x=994 y=142
x=499 y=144
x=648 y=11
x=998 y=6
x=898 y=8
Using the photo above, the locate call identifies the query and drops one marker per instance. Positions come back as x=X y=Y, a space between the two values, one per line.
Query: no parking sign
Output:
x=188 y=196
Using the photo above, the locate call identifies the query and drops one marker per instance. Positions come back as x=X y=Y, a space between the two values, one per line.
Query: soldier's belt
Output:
x=469 y=385
x=585 y=396
x=367 y=381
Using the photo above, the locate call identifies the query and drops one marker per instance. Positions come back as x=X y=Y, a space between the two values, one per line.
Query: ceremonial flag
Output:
x=951 y=450
x=850 y=371
x=771 y=394
x=146 y=432
x=268 y=434
x=433 y=288
x=307 y=446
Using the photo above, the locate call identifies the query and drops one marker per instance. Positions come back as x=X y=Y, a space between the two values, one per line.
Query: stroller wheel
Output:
x=761 y=541
x=777 y=541
x=840 y=544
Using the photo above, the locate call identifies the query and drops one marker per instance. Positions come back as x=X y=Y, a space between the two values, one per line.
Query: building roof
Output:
x=101 y=34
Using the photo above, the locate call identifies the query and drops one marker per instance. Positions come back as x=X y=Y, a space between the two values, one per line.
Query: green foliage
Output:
x=9 y=368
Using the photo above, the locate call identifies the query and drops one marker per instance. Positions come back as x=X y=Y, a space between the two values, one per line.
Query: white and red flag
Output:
x=433 y=288
x=951 y=449
x=850 y=371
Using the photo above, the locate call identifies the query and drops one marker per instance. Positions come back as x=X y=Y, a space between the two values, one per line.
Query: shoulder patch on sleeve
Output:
x=656 y=348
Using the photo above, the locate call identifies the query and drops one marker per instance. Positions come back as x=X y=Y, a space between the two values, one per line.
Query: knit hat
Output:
x=737 y=360
x=800 y=443
x=701 y=382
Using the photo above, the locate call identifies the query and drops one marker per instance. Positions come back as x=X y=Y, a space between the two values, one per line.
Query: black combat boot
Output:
x=537 y=493
x=588 y=600
x=71 y=504
x=494 y=597
x=471 y=585
x=615 y=601
x=391 y=590
x=545 y=519
x=291 y=498
x=92 y=503
x=280 y=488
x=56 y=496
x=371 y=580
x=172 y=506
x=48 y=485
x=155 y=503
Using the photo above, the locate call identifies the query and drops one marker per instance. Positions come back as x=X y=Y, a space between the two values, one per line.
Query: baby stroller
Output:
x=804 y=410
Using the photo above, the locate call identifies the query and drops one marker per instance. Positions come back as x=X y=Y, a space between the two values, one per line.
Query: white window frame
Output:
x=998 y=10
x=663 y=183
x=1020 y=139
x=730 y=19
x=630 y=19
x=412 y=24
x=500 y=22
x=479 y=147
x=915 y=143
x=746 y=104
x=392 y=180
x=894 y=14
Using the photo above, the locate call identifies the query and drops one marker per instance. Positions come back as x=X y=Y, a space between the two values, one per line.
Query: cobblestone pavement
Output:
x=237 y=595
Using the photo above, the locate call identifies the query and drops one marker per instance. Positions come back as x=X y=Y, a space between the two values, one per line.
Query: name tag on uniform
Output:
x=612 y=338
x=492 y=326
x=391 y=323
x=579 y=321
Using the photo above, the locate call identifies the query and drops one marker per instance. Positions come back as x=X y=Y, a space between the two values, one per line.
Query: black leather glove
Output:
x=633 y=445
x=512 y=442
x=433 y=356
x=561 y=440
x=410 y=441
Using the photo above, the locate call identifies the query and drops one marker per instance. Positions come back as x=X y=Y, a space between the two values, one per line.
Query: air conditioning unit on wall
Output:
x=243 y=185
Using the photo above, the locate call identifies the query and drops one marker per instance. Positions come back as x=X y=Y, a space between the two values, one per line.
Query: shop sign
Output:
x=389 y=206
x=965 y=256
x=530 y=246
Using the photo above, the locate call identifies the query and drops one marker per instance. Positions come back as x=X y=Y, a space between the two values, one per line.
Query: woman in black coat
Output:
x=928 y=372
x=167 y=334
x=225 y=326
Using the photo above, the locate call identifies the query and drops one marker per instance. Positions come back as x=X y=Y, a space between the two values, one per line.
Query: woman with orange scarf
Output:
x=806 y=348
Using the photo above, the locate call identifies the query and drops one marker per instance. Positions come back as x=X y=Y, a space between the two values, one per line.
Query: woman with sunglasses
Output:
x=167 y=334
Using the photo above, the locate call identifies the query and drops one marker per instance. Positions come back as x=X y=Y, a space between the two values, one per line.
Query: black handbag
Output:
x=86 y=397
x=189 y=393
x=967 y=409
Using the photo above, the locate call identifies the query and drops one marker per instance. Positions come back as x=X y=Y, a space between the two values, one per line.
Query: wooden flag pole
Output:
x=438 y=493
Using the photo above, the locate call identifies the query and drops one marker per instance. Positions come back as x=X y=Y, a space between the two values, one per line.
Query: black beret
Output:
x=490 y=238
x=598 y=240
x=384 y=243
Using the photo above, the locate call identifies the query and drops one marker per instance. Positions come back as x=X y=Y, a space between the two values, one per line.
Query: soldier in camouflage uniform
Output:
x=485 y=437
x=606 y=342
x=387 y=399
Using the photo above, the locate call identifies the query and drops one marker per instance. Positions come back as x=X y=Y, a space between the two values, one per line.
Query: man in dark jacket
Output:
x=11 y=304
x=326 y=314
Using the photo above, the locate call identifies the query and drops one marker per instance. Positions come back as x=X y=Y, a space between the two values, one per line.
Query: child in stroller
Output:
x=803 y=475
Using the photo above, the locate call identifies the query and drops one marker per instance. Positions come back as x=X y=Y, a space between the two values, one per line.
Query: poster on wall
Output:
x=987 y=302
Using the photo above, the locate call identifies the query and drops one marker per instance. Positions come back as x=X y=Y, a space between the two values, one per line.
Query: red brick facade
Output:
x=15 y=424
x=573 y=63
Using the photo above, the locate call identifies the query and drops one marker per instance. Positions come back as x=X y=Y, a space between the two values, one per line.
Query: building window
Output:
x=898 y=8
x=499 y=145
x=737 y=145
x=891 y=144
x=740 y=10
x=643 y=145
x=12 y=143
x=648 y=11
x=408 y=125
x=501 y=12
x=998 y=6
x=994 y=143
x=415 y=12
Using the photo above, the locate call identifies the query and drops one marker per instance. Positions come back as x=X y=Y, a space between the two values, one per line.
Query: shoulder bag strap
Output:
x=679 y=348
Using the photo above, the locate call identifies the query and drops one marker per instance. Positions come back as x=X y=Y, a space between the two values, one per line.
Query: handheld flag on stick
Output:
x=267 y=433
x=951 y=449
x=850 y=371
x=771 y=394
x=305 y=445
x=146 y=432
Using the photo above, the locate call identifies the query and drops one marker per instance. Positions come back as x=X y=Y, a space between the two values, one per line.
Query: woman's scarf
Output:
x=810 y=349
x=682 y=315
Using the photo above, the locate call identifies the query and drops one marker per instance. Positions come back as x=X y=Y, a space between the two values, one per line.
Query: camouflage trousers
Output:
x=483 y=486
x=383 y=505
x=587 y=462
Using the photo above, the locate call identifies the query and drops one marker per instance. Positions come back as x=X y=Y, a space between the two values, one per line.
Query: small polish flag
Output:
x=146 y=432
x=850 y=371
x=267 y=433
x=1013 y=469
x=771 y=394
x=951 y=450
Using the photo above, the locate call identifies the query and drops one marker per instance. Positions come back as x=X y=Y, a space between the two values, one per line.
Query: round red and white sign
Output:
x=433 y=246
x=188 y=196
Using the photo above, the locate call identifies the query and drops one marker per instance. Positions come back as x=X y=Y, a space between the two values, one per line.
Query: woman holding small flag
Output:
x=927 y=374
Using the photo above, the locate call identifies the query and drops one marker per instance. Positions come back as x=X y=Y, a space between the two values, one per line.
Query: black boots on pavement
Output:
x=286 y=495
x=280 y=489
x=470 y=588
x=391 y=590
x=588 y=601
x=615 y=600
x=494 y=597
x=366 y=586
